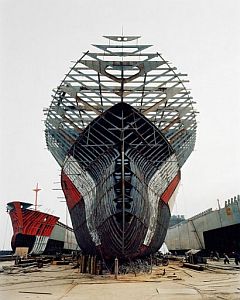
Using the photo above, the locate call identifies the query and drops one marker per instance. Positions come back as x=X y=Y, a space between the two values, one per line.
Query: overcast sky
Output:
x=40 y=38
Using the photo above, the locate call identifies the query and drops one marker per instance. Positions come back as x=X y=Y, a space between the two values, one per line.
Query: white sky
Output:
x=38 y=40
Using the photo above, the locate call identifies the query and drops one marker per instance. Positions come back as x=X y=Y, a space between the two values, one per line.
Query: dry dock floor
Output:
x=56 y=282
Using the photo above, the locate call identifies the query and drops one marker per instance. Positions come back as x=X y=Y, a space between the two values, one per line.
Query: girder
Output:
x=102 y=79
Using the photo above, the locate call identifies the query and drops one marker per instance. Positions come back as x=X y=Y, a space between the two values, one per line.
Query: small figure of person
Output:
x=211 y=255
x=217 y=256
x=236 y=256
x=226 y=259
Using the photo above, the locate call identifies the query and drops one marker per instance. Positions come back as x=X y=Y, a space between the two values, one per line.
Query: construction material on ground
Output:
x=193 y=266
x=55 y=282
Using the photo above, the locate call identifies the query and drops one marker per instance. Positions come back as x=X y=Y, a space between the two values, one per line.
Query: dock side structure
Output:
x=210 y=230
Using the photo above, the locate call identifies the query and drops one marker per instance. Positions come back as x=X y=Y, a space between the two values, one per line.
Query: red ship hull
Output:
x=37 y=230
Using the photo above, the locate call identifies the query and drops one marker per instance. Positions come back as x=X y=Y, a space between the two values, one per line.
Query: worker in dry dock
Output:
x=217 y=255
x=226 y=258
x=236 y=255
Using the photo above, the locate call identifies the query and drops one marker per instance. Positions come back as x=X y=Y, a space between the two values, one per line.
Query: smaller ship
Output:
x=40 y=232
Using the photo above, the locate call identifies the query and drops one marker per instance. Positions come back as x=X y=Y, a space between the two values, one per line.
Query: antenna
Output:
x=36 y=190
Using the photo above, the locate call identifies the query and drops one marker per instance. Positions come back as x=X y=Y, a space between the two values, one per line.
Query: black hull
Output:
x=24 y=240
x=134 y=238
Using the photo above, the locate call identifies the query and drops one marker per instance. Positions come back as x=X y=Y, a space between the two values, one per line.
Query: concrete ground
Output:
x=62 y=282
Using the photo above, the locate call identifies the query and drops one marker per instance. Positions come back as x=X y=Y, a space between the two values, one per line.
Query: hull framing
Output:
x=121 y=125
x=122 y=207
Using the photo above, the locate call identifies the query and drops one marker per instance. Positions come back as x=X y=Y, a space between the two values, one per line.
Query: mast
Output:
x=36 y=190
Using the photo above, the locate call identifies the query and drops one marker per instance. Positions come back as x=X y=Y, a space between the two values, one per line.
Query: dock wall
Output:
x=189 y=234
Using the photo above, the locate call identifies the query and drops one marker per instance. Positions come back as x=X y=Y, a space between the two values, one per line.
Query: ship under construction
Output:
x=121 y=125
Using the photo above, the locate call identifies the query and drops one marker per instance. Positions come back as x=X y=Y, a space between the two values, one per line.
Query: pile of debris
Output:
x=25 y=265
